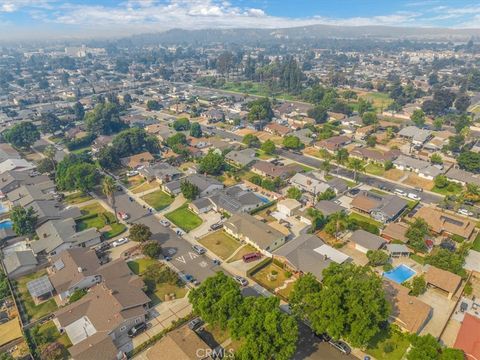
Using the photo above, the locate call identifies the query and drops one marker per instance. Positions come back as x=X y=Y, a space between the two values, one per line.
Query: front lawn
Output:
x=140 y=265
x=451 y=189
x=476 y=243
x=184 y=218
x=77 y=198
x=145 y=187
x=220 y=243
x=388 y=345
x=133 y=181
x=246 y=249
x=96 y=216
x=158 y=199
x=375 y=169
x=161 y=290
x=33 y=311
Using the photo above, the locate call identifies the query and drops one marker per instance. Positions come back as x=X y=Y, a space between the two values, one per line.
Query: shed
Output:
x=443 y=280
x=364 y=241
x=398 y=250
x=40 y=288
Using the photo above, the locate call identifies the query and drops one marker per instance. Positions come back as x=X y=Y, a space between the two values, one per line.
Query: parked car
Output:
x=199 y=249
x=165 y=223
x=119 y=242
x=179 y=231
x=241 y=280
x=137 y=329
x=465 y=212
x=323 y=337
x=216 y=226
x=413 y=196
x=216 y=262
x=341 y=346
x=419 y=189
x=167 y=258
x=400 y=192
x=251 y=257
x=195 y=324
x=119 y=188
x=354 y=191
x=132 y=173
x=123 y=215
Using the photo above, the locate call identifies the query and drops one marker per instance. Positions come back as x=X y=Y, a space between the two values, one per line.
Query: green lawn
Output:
x=375 y=169
x=49 y=331
x=246 y=249
x=222 y=244
x=140 y=265
x=452 y=189
x=77 y=198
x=388 y=345
x=419 y=259
x=158 y=199
x=161 y=290
x=184 y=218
x=145 y=187
x=362 y=218
x=96 y=216
x=476 y=243
x=33 y=311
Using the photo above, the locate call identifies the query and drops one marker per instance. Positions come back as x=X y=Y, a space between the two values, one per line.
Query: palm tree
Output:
x=108 y=188
x=356 y=165
x=341 y=157
x=340 y=220
x=326 y=167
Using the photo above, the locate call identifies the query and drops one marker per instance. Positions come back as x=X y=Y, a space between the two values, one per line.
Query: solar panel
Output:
x=59 y=265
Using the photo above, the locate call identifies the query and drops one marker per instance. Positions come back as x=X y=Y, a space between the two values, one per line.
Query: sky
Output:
x=106 y=18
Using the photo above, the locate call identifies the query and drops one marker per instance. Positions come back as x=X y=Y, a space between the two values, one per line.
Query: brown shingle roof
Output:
x=364 y=203
x=442 y=279
x=440 y=221
x=395 y=231
x=97 y=346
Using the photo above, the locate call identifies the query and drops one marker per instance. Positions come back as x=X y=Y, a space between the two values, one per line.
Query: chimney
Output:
x=80 y=270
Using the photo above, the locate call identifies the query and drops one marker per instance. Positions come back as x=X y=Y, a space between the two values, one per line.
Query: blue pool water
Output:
x=400 y=274
x=6 y=224
x=263 y=199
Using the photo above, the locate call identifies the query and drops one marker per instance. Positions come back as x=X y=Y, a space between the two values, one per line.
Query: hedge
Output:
x=259 y=266
x=267 y=205
x=81 y=143
x=366 y=226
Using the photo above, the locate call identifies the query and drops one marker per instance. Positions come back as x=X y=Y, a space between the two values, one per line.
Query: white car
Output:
x=165 y=223
x=465 y=212
x=242 y=281
x=132 y=173
x=413 y=196
x=179 y=231
x=123 y=215
x=119 y=242
x=400 y=192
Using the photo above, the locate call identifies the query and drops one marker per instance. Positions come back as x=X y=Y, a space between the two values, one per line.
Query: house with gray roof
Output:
x=162 y=171
x=52 y=210
x=364 y=241
x=381 y=207
x=423 y=168
x=416 y=135
x=241 y=158
x=234 y=199
x=305 y=135
x=206 y=184
x=463 y=177
x=327 y=207
x=246 y=227
x=56 y=236
x=307 y=253
x=26 y=194
x=11 y=180
x=19 y=263
x=309 y=183
x=398 y=250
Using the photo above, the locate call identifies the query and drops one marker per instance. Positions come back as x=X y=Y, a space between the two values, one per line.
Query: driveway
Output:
x=208 y=219
x=442 y=307
x=472 y=261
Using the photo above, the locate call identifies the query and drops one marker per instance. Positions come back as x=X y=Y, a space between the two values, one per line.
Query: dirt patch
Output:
x=243 y=132
x=394 y=174
x=417 y=181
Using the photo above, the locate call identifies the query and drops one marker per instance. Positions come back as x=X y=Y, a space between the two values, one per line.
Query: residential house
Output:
x=101 y=318
x=384 y=208
x=11 y=180
x=47 y=210
x=441 y=222
x=19 y=263
x=374 y=155
x=423 y=168
x=74 y=269
x=308 y=253
x=395 y=231
x=277 y=129
x=214 y=115
x=180 y=344
x=364 y=131
x=305 y=135
x=364 y=241
x=408 y=312
x=468 y=337
x=241 y=158
x=334 y=143
x=463 y=177
x=16 y=164
x=161 y=171
x=206 y=184
x=100 y=142
x=443 y=280
x=270 y=170
x=397 y=250
x=307 y=182
x=338 y=185
x=26 y=194
x=327 y=207
x=417 y=136
x=247 y=228
x=137 y=160
x=232 y=200
x=56 y=236
x=162 y=132
x=7 y=151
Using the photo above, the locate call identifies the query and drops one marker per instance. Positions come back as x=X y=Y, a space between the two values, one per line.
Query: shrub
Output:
x=387 y=267
x=152 y=249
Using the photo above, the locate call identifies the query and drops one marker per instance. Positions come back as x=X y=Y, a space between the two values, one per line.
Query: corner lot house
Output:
x=408 y=312
x=247 y=228
x=163 y=172
x=363 y=241
x=384 y=208
x=440 y=222
x=105 y=314
x=445 y=281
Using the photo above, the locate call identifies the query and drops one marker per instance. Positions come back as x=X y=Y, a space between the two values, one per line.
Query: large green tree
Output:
x=140 y=233
x=212 y=163
x=416 y=234
x=190 y=191
x=104 y=119
x=251 y=140
x=134 y=141
x=24 y=220
x=260 y=109
x=22 y=135
x=292 y=142
x=268 y=147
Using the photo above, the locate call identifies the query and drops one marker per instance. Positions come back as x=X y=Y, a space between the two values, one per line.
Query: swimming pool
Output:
x=400 y=274
x=6 y=224
x=263 y=199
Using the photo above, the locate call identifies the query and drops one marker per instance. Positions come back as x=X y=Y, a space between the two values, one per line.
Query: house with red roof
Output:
x=468 y=338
